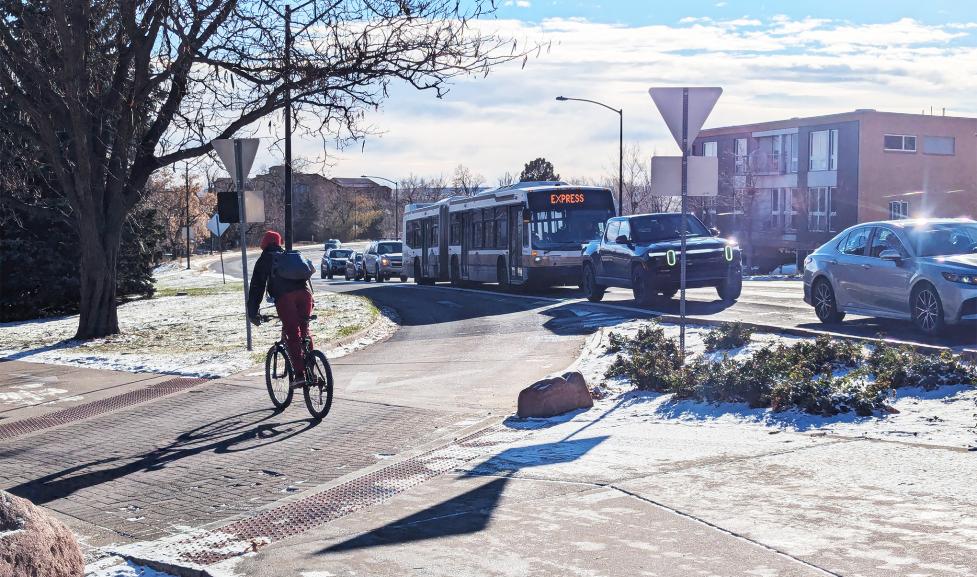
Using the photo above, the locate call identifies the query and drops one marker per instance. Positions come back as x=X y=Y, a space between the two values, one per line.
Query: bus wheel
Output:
x=417 y=272
x=502 y=273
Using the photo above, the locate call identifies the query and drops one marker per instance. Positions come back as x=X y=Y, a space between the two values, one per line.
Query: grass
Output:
x=347 y=330
x=171 y=291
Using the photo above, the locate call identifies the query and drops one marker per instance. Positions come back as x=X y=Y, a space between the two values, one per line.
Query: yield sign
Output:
x=225 y=150
x=669 y=103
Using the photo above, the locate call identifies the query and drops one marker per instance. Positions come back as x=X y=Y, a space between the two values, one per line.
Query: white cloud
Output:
x=523 y=3
x=776 y=68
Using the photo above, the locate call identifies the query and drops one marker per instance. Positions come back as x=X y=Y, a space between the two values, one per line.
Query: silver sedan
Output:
x=924 y=271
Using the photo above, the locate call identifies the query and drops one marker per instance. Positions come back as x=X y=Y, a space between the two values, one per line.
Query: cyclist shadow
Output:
x=233 y=434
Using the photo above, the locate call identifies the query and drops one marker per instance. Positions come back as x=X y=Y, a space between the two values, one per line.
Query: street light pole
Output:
x=620 y=150
x=288 y=128
x=396 y=202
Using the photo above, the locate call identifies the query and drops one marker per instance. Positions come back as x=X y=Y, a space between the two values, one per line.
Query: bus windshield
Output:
x=565 y=220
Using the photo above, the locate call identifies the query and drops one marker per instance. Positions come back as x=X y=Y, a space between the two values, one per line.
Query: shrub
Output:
x=798 y=376
x=728 y=336
x=649 y=360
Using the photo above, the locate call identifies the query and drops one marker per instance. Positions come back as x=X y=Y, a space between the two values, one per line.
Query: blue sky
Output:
x=774 y=60
x=641 y=12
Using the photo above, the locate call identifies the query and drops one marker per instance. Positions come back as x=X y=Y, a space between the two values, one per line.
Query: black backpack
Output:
x=291 y=265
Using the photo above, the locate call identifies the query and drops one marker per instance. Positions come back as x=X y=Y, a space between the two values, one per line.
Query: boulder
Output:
x=35 y=544
x=555 y=396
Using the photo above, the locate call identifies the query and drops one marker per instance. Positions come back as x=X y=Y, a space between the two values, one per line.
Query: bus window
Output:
x=455 y=230
x=566 y=220
x=501 y=227
x=478 y=240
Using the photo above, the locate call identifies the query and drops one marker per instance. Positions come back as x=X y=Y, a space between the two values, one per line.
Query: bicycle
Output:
x=279 y=377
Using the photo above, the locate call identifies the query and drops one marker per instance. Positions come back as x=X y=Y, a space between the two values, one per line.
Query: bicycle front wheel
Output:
x=318 y=385
x=278 y=376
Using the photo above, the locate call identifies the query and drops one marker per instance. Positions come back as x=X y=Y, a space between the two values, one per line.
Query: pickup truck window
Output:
x=625 y=229
x=659 y=227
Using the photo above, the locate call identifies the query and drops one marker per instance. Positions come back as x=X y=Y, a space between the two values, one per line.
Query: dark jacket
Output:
x=262 y=280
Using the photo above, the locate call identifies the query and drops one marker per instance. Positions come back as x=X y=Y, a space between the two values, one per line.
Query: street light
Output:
x=396 y=202
x=620 y=157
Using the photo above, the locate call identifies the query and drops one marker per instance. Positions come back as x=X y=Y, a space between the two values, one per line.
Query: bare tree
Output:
x=112 y=90
x=467 y=182
x=506 y=179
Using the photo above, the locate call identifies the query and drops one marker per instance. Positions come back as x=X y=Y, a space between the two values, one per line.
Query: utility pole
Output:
x=288 y=128
x=186 y=181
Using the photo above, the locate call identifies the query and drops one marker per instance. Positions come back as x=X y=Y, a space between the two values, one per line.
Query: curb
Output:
x=967 y=354
x=343 y=341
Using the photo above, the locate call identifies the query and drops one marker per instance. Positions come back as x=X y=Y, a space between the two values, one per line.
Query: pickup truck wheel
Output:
x=593 y=291
x=379 y=275
x=730 y=289
x=643 y=294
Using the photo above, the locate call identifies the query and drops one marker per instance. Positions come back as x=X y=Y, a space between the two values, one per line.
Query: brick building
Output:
x=787 y=186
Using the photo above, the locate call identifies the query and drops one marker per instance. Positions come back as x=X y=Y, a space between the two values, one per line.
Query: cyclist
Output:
x=293 y=301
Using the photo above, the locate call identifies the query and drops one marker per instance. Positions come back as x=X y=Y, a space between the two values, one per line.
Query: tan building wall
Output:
x=934 y=185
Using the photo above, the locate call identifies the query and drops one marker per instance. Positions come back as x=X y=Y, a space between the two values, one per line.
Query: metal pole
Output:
x=683 y=228
x=396 y=211
x=243 y=224
x=288 y=129
x=620 y=165
x=220 y=249
x=186 y=174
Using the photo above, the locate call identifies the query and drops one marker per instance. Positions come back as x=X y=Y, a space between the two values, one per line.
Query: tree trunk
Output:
x=99 y=254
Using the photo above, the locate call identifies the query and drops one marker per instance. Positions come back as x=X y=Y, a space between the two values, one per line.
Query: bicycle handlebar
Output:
x=266 y=318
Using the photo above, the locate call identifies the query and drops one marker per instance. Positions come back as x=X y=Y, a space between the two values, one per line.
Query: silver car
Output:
x=924 y=271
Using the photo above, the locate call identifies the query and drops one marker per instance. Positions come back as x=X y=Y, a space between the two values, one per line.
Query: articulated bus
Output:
x=530 y=233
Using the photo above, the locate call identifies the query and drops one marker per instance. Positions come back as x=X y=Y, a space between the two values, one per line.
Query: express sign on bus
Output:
x=567 y=198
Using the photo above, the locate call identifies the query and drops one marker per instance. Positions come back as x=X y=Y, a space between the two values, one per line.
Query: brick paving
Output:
x=203 y=456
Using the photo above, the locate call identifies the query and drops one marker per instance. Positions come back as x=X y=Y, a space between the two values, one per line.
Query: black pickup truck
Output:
x=643 y=252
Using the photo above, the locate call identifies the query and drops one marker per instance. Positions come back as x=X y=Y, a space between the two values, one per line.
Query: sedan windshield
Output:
x=659 y=227
x=340 y=253
x=389 y=248
x=944 y=239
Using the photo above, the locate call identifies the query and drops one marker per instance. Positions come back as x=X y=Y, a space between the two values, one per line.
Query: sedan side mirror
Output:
x=891 y=255
x=623 y=239
x=714 y=231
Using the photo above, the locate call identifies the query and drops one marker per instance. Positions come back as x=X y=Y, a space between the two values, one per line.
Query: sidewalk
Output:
x=612 y=493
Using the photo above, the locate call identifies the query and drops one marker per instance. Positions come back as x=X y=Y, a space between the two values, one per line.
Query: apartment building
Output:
x=787 y=186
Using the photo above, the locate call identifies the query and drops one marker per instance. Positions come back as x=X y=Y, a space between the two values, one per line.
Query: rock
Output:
x=555 y=396
x=34 y=543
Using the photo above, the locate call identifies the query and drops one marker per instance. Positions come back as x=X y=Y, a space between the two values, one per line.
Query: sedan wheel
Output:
x=927 y=310
x=825 y=305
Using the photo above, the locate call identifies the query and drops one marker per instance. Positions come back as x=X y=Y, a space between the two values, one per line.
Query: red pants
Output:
x=294 y=309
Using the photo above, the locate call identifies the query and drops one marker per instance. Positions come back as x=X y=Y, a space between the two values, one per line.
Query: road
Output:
x=778 y=303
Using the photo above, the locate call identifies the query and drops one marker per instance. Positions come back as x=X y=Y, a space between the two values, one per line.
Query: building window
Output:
x=898 y=209
x=783 y=209
x=824 y=150
x=740 y=155
x=790 y=153
x=900 y=143
x=709 y=149
x=943 y=145
x=820 y=213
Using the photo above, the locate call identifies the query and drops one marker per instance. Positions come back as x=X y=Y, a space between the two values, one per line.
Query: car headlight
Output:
x=384 y=261
x=970 y=279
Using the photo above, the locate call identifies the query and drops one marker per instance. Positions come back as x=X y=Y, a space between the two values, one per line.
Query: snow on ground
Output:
x=199 y=334
x=946 y=416
x=119 y=567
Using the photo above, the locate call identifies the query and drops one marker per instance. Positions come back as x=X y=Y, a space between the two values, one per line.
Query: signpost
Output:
x=685 y=111
x=217 y=228
x=238 y=155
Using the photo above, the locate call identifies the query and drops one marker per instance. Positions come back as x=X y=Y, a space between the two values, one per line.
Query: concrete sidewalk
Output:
x=614 y=492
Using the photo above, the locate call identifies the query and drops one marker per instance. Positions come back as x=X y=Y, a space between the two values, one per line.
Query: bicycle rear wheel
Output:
x=278 y=376
x=318 y=385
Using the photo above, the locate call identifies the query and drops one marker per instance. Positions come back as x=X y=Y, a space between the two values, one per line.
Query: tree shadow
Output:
x=471 y=511
x=236 y=433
